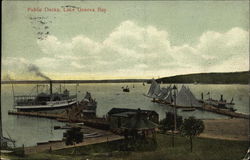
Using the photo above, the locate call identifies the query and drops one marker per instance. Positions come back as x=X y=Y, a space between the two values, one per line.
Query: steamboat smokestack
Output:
x=50 y=85
x=221 y=97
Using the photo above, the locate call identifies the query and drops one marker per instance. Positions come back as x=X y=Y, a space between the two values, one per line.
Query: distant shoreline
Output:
x=106 y=81
x=76 y=81
x=198 y=78
x=209 y=78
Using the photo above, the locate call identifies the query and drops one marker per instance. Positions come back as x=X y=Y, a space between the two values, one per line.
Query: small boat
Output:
x=188 y=109
x=6 y=143
x=61 y=127
x=153 y=100
x=125 y=89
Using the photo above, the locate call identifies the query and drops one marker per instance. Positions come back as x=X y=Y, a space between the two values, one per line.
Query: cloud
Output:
x=76 y=65
x=131 y=50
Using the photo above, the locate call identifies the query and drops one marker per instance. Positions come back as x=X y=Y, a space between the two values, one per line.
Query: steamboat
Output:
x=44 y=101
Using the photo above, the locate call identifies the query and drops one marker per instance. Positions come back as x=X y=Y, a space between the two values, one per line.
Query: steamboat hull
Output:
x=47 y=107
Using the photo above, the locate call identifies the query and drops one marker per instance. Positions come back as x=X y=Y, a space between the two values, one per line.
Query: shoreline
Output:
x=76 y=81
x=147 y=81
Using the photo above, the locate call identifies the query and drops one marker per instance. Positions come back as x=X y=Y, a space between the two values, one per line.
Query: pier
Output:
x=209 y=108
x=37 y=114
x=226 y=112
x=100 y=123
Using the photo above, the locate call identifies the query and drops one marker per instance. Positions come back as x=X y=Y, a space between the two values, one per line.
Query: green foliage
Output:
x=19 y=152
x=73 y=136
x=211 y=78
x=168 y=122
x=205 y=149
x=192 y=127
x=147 y=144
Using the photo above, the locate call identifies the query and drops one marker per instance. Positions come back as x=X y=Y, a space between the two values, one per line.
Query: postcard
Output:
x=132 y=80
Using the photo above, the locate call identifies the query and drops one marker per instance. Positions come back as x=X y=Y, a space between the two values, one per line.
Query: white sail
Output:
x=186 y=98
x=152 y=88
x=156 y=91
x=193 y=99
x=182 y=99
x=164 y=92
x=169 y=97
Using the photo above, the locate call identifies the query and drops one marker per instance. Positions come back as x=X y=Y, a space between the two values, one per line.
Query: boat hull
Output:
x=48 y=106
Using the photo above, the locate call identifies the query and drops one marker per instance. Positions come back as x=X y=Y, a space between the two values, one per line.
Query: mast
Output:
x=76 y=93
x=13 y=93
x=1 y=129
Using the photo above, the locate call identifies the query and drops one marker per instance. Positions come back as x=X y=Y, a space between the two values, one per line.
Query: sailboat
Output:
x=185 y=98
x=154 y=89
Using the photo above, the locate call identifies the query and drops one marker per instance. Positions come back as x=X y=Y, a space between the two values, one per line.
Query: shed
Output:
x=120 y=117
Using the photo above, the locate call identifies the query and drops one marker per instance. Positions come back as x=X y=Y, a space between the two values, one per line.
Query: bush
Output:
x=168 y=122
x=192 y=127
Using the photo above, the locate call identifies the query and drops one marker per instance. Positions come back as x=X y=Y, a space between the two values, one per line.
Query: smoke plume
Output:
x=7 y=77
x=34 y=69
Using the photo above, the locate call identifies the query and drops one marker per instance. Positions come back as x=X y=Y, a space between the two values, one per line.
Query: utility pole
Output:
x=13 y=93
x=76 y=94
x=175 y=96
x=175 y=124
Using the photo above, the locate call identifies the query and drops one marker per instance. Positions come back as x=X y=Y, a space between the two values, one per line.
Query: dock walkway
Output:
x=210 y=108
x=37 y=114
x=107 y=137
x=100 y=123
x=223 y=112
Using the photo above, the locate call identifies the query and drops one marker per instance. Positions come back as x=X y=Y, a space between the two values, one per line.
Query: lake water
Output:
x=29 y=131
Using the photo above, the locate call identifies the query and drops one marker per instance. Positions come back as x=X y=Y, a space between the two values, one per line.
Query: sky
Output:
x=125 y=39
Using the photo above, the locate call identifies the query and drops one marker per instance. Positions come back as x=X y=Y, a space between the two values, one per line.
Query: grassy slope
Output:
x=220 y=78
x=204 y=149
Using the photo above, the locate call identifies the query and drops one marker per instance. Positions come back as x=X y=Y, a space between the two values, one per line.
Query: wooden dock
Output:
x=210 y=108
x=37 y=114
x=100 y=123
x=226 y=112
